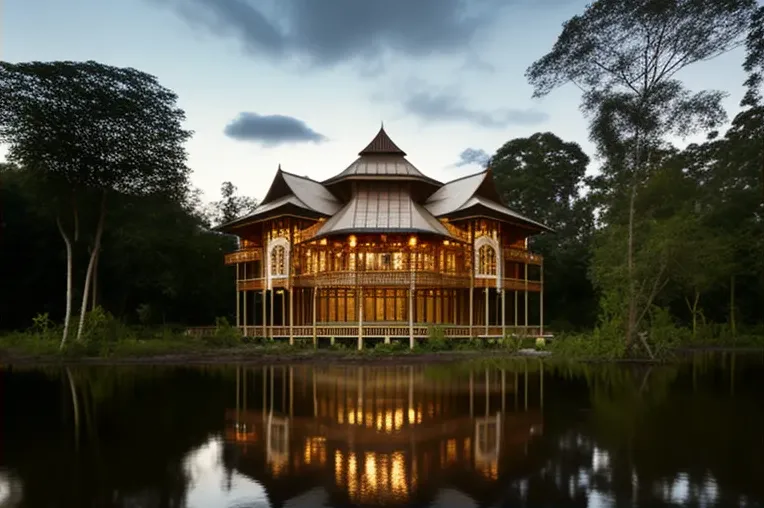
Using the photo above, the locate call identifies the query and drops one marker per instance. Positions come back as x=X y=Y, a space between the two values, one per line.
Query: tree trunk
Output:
x=631 y=319
x=69 y=269
x=91 y=265
x=733 y=324
x=94 y=301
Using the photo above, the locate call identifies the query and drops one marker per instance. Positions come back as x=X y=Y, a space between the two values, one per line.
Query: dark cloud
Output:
x=271 y=129
x=325 y=32
x=471 y=156
x=450 y=107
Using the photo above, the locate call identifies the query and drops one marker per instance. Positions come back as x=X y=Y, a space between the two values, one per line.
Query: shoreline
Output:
x=323 y=357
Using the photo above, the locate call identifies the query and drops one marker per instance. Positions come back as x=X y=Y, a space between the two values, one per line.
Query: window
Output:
x=486 y=260
x=278 y=261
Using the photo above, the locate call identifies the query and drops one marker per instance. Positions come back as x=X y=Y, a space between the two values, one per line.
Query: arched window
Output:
x=278 y=261
x=486 y=260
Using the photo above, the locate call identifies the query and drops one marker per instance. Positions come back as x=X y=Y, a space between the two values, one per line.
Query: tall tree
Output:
x=625 y=56
x=86 y=130
x=232 y=205
x=542 y=176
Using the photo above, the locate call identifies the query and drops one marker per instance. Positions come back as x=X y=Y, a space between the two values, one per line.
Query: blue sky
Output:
x=306 y=83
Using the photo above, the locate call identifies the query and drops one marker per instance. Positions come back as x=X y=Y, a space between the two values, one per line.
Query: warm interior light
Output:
x=412 y=241
x=446 y=242
x=323 y=241
x=352 y=240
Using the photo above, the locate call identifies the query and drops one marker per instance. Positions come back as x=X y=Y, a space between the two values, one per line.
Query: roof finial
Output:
x=279 y=166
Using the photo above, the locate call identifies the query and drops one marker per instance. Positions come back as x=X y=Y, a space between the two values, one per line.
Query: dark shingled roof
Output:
x=382 y=144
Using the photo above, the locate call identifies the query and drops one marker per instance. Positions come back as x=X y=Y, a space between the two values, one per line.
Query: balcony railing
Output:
x=422 y=280
x=393 y=331
x=523 y=256
x=243 y=256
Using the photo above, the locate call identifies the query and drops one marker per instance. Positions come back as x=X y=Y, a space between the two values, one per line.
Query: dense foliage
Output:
x=653 y=243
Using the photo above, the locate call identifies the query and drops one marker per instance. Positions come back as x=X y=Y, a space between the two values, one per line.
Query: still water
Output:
x=493 y=434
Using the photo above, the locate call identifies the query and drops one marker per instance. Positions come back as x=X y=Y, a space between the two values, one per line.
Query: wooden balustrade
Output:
x=243 y=256
x=523 y=256
x=422 y=280
x=393 y=331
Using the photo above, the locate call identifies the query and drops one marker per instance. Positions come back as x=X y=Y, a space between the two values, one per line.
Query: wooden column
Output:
x=238 y=297
x=411 y=300
x=265 y=312
x=472 y=276
x=526 y=299
x=291 y=317
x=244 y=308
x=291 y=289
x=411 y=316
x=503 y=313
x=315 y=337
x=541 y=302
x=272 y=306
x=487 y=312
x=360 y=318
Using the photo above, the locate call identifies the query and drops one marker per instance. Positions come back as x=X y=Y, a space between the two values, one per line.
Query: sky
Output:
x=307 y=83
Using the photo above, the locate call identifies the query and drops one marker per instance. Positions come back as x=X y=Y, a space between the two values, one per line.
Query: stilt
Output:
x=360 y=320
x=411 y=316
x=238 y=298
x=265 y=315
x=315 y=337
x=291 y=317
x=487 y=312
x=526 y=299
x=503 y=314
x=541 y=303
x=272 y=321
x=244 y=306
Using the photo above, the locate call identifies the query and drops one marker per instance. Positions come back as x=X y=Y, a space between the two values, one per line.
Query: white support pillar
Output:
x=487 y=312
x=411 y=316
x=315 y=337
x=503 y=313
x=238 y=297
x=265 y=313
x=272 y=309
x=526 y=299
x=244 y=308
x=541 y=302
x=360 y=319
x=291 y=317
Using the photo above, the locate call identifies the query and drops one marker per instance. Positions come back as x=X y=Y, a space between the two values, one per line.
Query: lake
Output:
x=485 y=434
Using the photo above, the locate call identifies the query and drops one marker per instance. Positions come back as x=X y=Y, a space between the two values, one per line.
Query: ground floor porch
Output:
x=386 y=313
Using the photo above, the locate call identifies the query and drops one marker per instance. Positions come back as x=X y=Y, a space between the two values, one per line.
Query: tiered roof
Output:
x=379 y=197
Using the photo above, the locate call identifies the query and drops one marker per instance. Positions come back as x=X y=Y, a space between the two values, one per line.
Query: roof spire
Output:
x=382 y=145
x=279 y=166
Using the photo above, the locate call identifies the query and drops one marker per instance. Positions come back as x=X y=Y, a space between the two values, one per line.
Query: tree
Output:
x=231 y=206
x=542 y=177
x=624 y=56
x=85 y=130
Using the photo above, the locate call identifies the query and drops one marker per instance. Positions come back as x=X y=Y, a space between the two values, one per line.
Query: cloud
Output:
x=471 y=156
x=444 y=106
x=326 y=32
x=271 y=130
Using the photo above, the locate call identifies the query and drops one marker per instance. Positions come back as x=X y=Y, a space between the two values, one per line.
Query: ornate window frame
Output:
x=272 y=245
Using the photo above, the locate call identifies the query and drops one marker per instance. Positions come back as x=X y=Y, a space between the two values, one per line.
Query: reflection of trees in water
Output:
x=629 y=434
x=651 y=437
x=136 y=425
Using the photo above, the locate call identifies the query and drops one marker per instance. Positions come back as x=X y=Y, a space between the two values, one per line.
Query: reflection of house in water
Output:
x=378 y=435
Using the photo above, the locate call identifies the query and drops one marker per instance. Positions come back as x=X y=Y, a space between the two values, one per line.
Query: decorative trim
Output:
x=492 y=243
x=277 y=242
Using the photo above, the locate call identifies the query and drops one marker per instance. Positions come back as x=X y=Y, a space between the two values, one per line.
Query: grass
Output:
x=107 y=338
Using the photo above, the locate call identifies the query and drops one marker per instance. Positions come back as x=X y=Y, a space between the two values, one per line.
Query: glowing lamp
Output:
x=352 y=241
x=446 y=242
x=412 y=241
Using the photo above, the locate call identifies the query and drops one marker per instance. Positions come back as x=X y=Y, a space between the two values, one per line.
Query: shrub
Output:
x=225 y=335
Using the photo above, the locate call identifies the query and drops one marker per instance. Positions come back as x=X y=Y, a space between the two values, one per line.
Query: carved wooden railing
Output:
x=393 y=331
x=243 y=256
x=386 y=279
x=522 y=256
x=457 y=232
x=308 y=233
